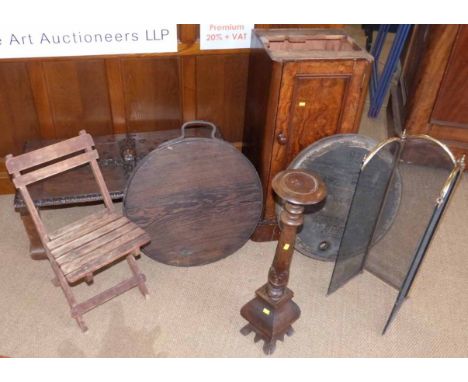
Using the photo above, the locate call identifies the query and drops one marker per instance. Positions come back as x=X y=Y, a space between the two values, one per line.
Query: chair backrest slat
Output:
x=54 y=169
x=49 y=153
x=84 y=142
x=102 y=185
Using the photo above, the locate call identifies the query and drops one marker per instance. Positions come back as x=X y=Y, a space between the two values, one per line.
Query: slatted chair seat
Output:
x=79 y=249
x=88 y=245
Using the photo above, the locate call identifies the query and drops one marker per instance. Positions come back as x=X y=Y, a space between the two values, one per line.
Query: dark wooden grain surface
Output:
x=78 y=185
x=198 y=198
x=431 y=96
x=451 y=107
x=432 y=66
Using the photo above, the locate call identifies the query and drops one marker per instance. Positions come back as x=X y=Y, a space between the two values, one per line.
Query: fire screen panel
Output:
x=376 y=180
x=425 y=173
x=423 y=168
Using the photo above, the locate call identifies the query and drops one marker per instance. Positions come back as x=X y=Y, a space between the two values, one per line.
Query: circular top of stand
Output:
x=299 y=187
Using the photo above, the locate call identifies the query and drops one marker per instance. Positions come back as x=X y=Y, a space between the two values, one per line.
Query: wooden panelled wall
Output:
x=54 y=98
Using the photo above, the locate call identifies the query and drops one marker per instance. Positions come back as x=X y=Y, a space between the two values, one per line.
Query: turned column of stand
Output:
x=271 y=313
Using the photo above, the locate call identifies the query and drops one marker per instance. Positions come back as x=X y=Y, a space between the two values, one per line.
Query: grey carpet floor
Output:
x=194 y=312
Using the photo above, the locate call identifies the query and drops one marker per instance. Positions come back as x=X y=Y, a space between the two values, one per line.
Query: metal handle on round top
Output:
x=214 y=129
x=281 y=138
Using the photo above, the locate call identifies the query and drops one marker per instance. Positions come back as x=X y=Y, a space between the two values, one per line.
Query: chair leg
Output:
x=89 y=278
x=63 y=283
x=77 y=310
x=81 y=323
x=136 y=271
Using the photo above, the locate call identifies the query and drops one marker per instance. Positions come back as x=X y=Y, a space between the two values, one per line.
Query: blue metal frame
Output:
x=379 y=85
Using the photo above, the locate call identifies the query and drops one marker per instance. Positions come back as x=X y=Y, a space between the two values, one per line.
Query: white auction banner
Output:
x=225 y=36
x=86 y=40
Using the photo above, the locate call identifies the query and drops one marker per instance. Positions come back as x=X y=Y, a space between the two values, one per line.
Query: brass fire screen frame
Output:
x=429 y=173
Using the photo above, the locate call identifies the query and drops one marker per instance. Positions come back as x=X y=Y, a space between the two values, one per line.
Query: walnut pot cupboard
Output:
x=303 y=85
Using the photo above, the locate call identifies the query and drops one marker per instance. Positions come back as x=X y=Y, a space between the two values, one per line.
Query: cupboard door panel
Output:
x=313 y=103
x=78 y=97
x=152 y=93
x=221 y=92
x=18 y=118
x=316 y=109
x=451 y=107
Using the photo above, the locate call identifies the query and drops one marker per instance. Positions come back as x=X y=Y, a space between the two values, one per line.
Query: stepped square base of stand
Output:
x=270 y=320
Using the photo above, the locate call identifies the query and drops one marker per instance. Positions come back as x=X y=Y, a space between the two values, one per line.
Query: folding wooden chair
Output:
x=79 y=249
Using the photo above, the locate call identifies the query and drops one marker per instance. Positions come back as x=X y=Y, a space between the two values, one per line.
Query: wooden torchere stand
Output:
x=272 y=311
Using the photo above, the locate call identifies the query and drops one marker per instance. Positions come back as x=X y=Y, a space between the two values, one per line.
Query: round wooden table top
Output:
x=198 y=198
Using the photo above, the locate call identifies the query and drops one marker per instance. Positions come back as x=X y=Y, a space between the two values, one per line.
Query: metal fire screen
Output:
x=425 y=172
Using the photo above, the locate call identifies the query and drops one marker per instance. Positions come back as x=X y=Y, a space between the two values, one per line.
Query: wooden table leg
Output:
x=36 y=250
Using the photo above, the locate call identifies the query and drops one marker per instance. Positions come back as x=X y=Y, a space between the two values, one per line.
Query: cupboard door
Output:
x=317 y=99
x=449 y=118
x=316 y=109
